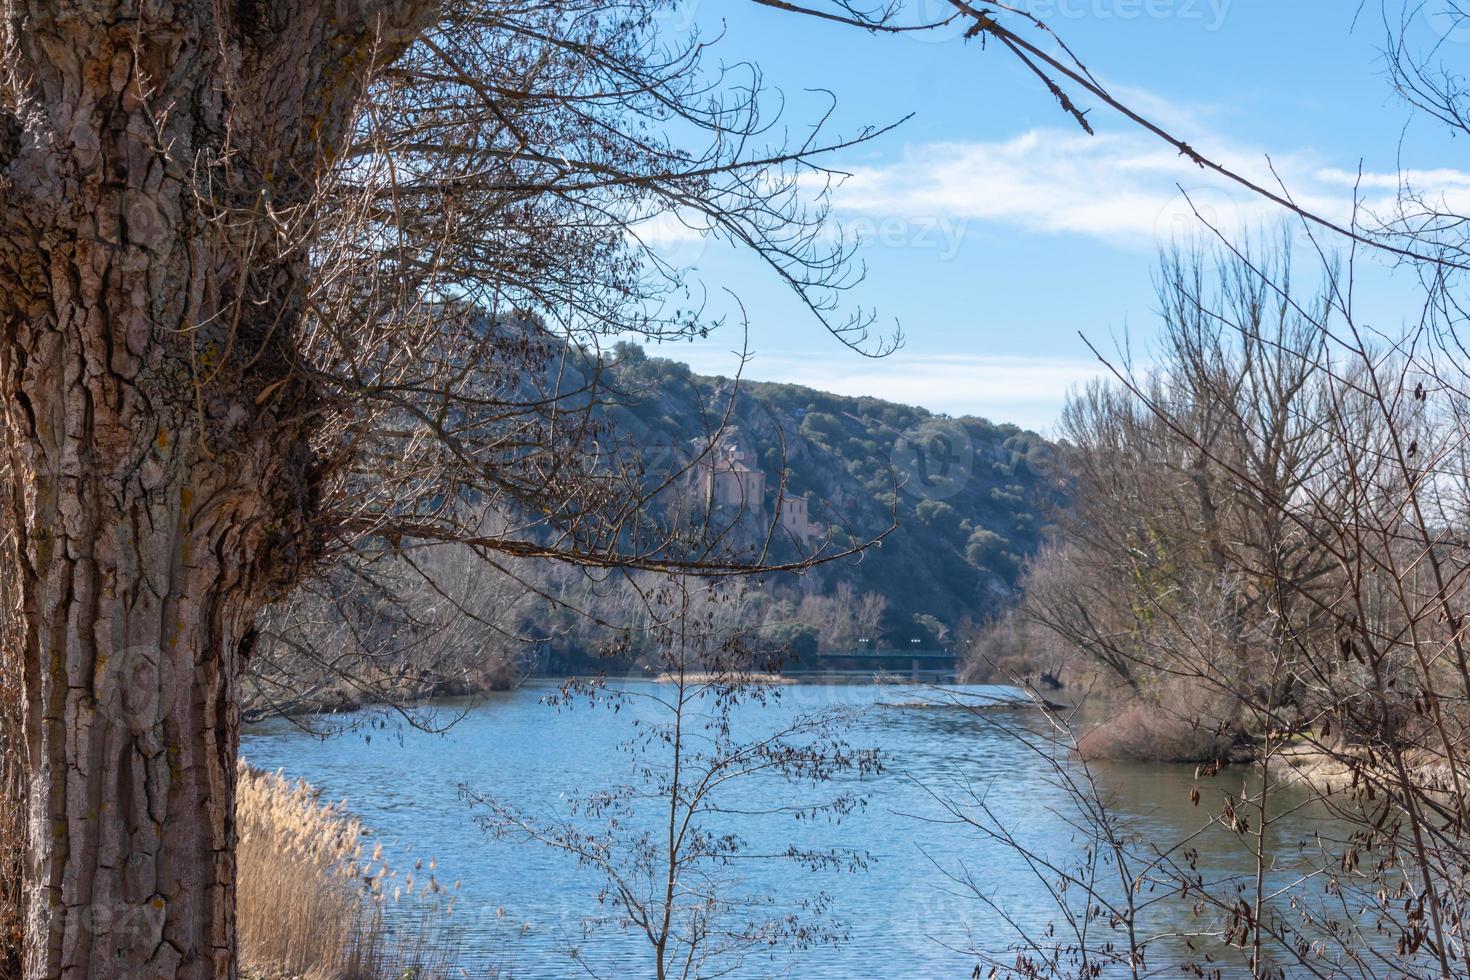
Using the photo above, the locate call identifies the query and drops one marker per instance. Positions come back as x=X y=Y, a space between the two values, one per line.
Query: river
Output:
x=524 y=906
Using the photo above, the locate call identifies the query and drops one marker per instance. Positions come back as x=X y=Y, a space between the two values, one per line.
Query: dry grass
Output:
x=12 y=804
x=1174 y=725
x=11 y=839
x=312 y=898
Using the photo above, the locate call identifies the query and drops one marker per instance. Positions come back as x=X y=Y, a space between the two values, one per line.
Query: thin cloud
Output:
x=1028 y=391
x=1123 y=188
x=1442 y=177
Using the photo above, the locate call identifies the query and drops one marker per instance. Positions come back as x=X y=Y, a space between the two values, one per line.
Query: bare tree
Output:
x=665 y=843
x=1305 y=563
x=393 y=633
x=288 y=285
x=280 y=284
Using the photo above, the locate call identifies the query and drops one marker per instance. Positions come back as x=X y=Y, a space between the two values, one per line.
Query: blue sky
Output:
x=997 y=230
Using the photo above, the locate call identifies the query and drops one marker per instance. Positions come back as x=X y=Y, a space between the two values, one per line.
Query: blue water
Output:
x=525 y=906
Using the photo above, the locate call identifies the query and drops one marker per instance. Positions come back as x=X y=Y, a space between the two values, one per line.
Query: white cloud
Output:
x=1028 y=391
x=1123 y=187
x=1443 y=178
x=678 y=238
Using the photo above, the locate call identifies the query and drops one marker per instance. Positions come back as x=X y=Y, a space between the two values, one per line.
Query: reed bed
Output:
x=315 y=901
x=12 y=831
x=12 y=783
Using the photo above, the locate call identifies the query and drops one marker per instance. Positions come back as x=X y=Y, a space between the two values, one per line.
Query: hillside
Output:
x=800 y=471
x=971 y=494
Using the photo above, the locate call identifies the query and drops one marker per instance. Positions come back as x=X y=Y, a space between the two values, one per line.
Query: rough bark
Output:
x=156 y=421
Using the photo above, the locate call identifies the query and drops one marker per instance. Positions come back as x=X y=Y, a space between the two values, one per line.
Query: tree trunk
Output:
x=156 y=420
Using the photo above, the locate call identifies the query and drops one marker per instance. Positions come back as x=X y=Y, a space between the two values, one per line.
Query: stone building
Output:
x=796 y=521
x=730 y=480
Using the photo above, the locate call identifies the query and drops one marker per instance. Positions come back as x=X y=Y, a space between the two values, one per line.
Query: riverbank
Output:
x=1328 y=773
x=956 y=703
x=341 y=700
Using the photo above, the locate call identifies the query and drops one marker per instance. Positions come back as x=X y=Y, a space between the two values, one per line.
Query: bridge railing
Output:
x=896 y=654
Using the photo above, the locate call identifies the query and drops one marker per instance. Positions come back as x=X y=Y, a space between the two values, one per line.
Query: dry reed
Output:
x=12 y=835
x=312 y=897
x=12 y=782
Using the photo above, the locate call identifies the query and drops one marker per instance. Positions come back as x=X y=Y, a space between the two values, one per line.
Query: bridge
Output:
x=917 y=663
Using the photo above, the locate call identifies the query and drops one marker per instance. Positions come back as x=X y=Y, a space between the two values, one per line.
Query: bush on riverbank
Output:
x=312 y=897
x=1176 y=725
x=403 y=690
